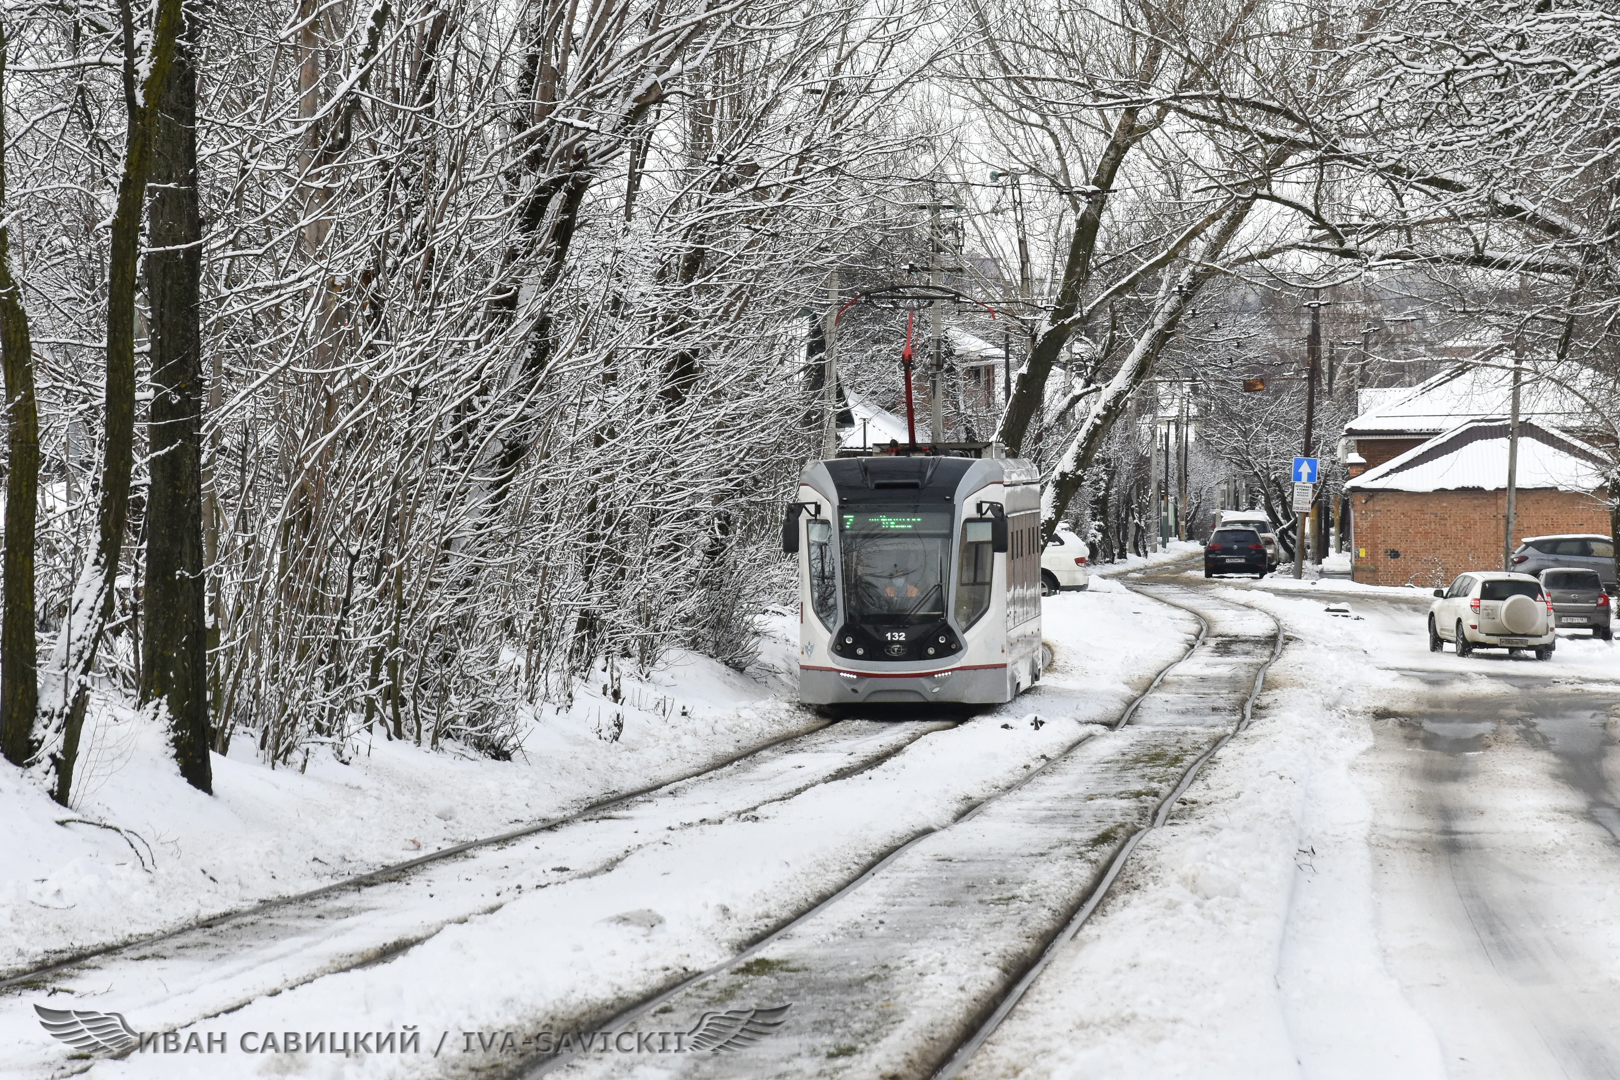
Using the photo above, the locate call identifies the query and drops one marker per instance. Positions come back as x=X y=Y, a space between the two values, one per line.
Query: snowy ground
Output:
x=1406 y=867
x=1310 y=913
x=274 y=832
x=1178 y=549
x=560 y=925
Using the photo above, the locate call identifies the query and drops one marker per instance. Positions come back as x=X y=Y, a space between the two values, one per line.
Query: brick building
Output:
x=1436 y=509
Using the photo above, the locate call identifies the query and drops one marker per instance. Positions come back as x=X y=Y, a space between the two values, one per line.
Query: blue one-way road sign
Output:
x=1304 y=470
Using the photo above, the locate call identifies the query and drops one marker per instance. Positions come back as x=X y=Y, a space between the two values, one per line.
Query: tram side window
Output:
x=823 y=571
x=977 y=562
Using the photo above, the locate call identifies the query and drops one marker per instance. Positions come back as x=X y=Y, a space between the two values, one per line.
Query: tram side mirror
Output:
x=790 y=524
x=790 y=529
x=998 y=526
x=819 y=532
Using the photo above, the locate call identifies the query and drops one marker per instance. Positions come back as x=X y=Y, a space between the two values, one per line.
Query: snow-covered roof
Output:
x=1474 y=456
x=1464 y=393
x=880 y=425
x=971 y=349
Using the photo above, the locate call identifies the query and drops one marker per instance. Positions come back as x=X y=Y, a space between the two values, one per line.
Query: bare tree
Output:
x=19 y=685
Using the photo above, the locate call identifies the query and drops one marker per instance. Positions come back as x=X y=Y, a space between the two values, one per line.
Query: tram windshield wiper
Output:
x=923 y=599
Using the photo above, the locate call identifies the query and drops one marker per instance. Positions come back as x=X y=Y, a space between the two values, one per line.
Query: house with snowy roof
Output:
x=1438 y=508
x=1395 y=420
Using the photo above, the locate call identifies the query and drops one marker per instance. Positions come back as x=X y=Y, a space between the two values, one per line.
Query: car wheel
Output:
x=1435 y=644
x=1049 y=583
x=1207 y=573
x=1544 y=652
x=1604 y=634
x=1464 y=646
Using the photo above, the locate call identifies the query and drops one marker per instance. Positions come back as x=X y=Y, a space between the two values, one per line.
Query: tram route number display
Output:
x=881 y=522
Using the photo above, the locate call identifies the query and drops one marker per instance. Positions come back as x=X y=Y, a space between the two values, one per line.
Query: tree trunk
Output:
x=176 y=660
x=1067 y=318
x=1138 y=365
x=61 y=714
x=19 y=686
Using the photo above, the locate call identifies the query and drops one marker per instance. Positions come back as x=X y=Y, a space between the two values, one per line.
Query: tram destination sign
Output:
x=886 y=521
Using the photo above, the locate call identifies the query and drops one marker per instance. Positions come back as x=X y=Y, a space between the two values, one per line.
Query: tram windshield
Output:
x=895 y=563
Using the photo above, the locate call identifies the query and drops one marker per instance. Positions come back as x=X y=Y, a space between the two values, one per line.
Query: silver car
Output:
x=1578 y=601
x=1582 y=551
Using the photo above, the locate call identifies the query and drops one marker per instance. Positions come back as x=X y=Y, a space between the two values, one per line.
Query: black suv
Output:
x=1235 y=551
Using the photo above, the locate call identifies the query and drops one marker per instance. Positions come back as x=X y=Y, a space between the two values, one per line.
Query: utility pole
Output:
x=1313 y=359
x=1164 y=502
x=1366 y=357
x=1024 y=273
x=1181 y=471
x=1006 y=366
x=829 y=386
x=1513 y=460
x=936 y=368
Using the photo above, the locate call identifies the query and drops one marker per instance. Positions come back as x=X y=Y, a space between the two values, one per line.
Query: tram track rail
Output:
x=1087 y=902
x=981 y=1033
x=31 y=976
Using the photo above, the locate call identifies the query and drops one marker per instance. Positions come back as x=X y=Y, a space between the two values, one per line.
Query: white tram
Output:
x=919 y=579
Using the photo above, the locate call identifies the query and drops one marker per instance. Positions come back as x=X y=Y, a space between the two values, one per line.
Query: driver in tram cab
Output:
x=900 y=585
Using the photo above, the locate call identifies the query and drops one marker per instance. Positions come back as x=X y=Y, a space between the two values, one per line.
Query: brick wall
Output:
x=1445 y=533
x=1378 y=451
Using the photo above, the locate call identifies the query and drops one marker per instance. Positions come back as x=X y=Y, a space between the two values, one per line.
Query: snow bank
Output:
x=142 y=850
x=1178 y=550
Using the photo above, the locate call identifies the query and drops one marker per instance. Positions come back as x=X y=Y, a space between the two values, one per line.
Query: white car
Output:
x=1065 y=565
x=1490 y=609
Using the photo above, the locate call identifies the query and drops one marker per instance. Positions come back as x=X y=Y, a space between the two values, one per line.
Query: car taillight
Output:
x=1549 y=605
x=1517 y=559
x=1214 y=547
x=1603 y=599
x=1474 y=603
x=1079 y=560
x=1257 y=547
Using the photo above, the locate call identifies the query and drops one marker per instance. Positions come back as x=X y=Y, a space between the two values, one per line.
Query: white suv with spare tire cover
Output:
x=1487 y=609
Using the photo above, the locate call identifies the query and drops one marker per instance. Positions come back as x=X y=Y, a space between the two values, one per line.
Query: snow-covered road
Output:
x=1406 y=867
x=1495 y=839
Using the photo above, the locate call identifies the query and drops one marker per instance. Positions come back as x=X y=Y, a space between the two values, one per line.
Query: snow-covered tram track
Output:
x=772 y=771
x=906 y=969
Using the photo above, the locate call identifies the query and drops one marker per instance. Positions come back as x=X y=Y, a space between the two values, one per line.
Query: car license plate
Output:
x=1230 y=559
x=1573 y=619
x=1515 y=641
